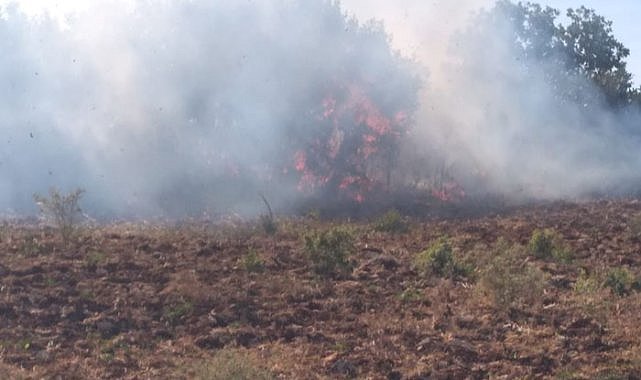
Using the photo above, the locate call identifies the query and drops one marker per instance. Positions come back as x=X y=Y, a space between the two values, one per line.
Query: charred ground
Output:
x=161 y=301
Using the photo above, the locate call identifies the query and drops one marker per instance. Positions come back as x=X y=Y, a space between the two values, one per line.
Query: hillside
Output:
x=138 y=301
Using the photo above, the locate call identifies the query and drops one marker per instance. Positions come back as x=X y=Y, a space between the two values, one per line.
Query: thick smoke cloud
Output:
x=499 y=125
x=495 y=125
x=174 y=108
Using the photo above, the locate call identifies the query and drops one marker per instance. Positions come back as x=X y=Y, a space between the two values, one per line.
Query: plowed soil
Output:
x=151 y=301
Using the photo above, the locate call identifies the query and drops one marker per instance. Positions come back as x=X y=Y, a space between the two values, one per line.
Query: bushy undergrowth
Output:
x=509 y=280
x=547 y=244
x=392 y=222
x=329 y=251
x=621 y=281
x=438 y=259
x=252 y=262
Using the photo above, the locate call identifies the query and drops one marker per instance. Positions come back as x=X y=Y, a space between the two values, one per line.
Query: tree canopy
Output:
x=585 y=47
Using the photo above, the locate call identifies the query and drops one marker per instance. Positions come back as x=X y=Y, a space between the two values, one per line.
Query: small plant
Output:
x=547 y=244
x=313 y=214
x=62 y=210
x=391 y=222
x=542 y=243
x=508 y=279
x=330 y=250
x=95 y=258
x=252 y=262
x=176 y=312
x=267 y=221
x=229 y=364
x=635 y=226
x=410 y=294
x=439 y=260
x=32 y=246
x=587 y=284
x=621 y=281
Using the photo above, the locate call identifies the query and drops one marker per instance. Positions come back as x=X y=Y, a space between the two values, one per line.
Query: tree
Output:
x=593 y=51
x=585 y=48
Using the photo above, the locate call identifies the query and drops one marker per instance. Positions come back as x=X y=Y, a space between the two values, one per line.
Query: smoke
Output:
x=502 y=126
x=182 y=107
x=178 y=107
x=496 y=125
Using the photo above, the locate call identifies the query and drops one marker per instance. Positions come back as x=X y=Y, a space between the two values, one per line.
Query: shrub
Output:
x=587 y=284
x=330 y=250
x=547 y=244
x=542 y=243
x=392 y=222
x=508 y=279
x=62 y=210
x=230 y=364
x=410 y=294
x=621 y=281
x=439 y=260
x=176 y=312
x=252 y=262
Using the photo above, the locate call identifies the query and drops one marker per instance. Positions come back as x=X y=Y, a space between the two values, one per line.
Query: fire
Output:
x=449 y=192
x=340 y=161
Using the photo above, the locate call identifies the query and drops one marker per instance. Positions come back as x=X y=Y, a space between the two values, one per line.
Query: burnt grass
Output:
x=151 y=301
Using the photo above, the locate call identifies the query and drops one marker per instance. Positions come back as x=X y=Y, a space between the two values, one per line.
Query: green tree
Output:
x=585 y=48
x=593 y=51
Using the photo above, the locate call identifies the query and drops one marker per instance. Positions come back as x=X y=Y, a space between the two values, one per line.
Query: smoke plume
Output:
x=183 y=107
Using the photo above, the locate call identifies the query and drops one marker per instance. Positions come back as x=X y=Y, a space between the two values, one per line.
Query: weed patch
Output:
x=509 y=280
x=547 y=244
x=330 y=250
x=622 y=282
x=438 y=259
x=252 y=262
x=392 y=222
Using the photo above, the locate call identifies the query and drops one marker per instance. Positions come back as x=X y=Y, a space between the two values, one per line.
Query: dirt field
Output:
x=139 y=301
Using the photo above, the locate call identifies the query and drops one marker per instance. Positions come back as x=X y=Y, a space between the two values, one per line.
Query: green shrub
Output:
x=410 y=294
x=330 y=250
x=252 y=262
x=175 y=312
x=587 y=284
x=547 y=244
x=392 y=222
x=62 y=210
x=438 y=259
x=230 y=364
x=508 y=279
x=621 y=281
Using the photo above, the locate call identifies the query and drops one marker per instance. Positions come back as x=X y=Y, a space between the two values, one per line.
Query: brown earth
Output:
x=140 y=301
